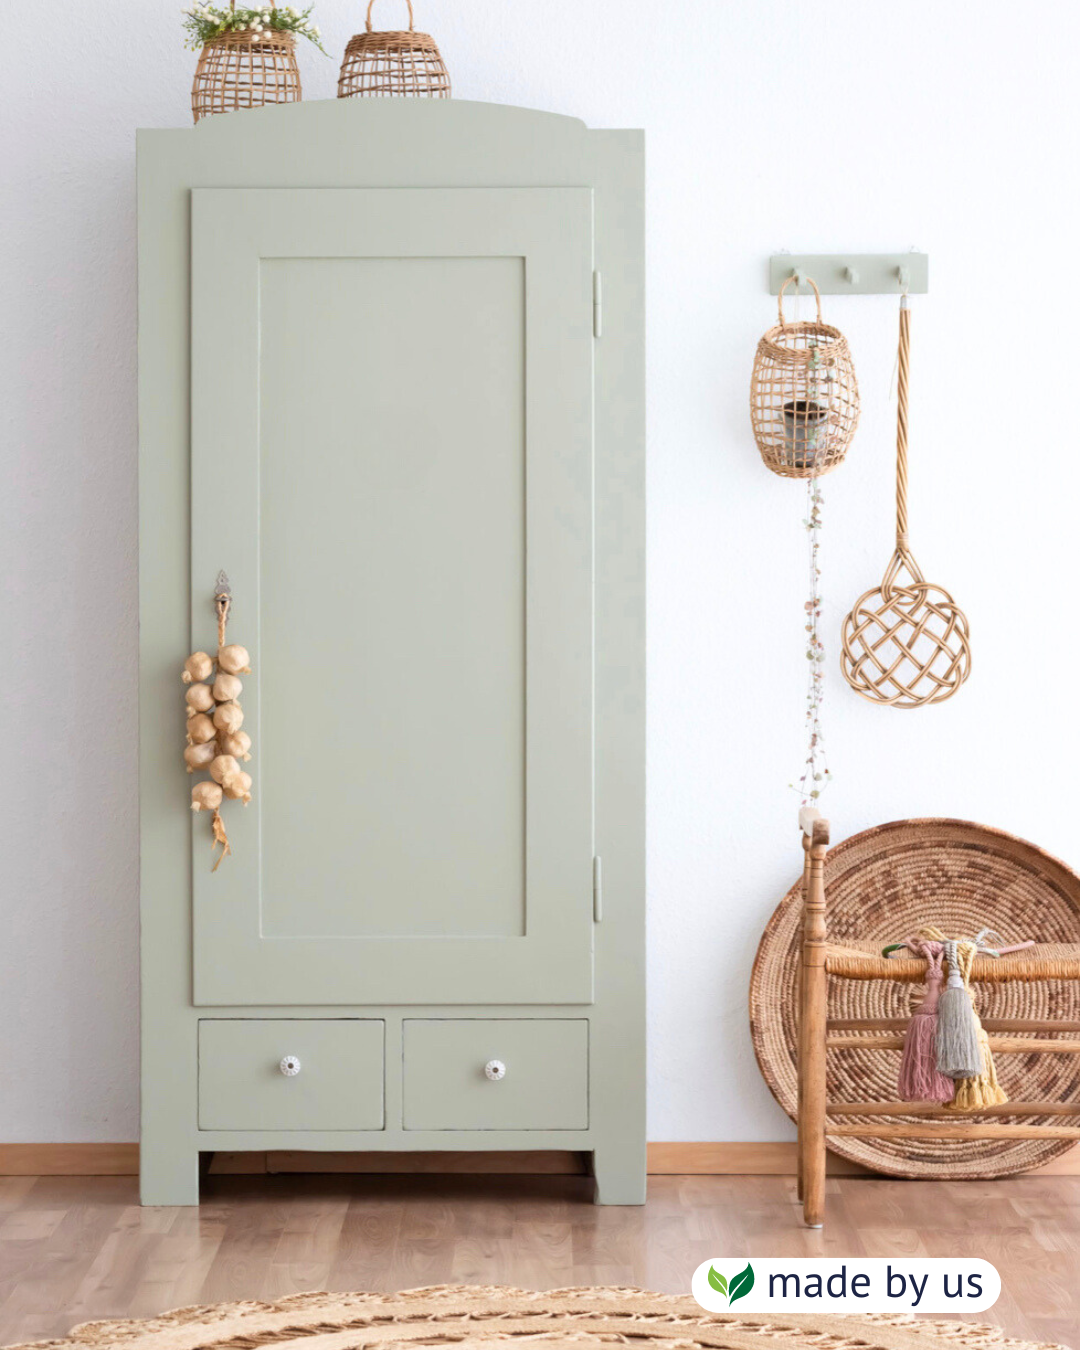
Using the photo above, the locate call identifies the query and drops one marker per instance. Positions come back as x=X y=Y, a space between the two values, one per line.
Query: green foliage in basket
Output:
x=205 y=21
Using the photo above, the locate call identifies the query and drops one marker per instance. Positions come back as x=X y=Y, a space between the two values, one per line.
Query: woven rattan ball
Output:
x=245 y=70
x=906 y=645
x=393 y=65
x=804 y=399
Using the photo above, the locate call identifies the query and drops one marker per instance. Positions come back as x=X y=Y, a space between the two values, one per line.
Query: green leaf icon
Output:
x=717 y=1281
x=741 y=1284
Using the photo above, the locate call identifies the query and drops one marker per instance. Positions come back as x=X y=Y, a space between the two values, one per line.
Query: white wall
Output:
x=843 y=124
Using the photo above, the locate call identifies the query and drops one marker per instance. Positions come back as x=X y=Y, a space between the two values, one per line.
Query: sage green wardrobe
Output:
x=391 y=382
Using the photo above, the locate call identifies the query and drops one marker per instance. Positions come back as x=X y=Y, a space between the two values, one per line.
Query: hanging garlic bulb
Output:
x=199 y=756
x=205 y=797
x=238 y=745
x=223 y=769
x=198 y=666
x=229 y=717
x=199 y=698
x=227 y=688
x=234 y=659
x=239 y=785
x=215 y=742
x=200 y=729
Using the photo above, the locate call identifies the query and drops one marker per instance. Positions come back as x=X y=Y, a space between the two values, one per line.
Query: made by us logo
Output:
x=847 y=1285
x=737 y=1287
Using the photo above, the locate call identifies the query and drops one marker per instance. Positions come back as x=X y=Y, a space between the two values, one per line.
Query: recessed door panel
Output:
x=392 y=459
x=400 y=714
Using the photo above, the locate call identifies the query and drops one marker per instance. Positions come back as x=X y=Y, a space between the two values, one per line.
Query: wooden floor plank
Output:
x=74 y=1249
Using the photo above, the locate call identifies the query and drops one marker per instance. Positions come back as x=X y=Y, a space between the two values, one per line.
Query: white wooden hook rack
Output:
x=853 y=273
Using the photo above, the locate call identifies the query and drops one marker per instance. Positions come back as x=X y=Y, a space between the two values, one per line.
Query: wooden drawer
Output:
x=339 y=1084
x=545 y=1085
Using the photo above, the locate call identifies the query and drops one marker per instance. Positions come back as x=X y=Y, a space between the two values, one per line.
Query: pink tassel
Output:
x=920 y=1080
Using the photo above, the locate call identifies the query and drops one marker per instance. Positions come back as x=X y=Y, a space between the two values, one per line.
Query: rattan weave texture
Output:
x=881 y=885
x=906 y=642
x=245 y=70
x=804 y=398
x=393 y=64
x=492 y=1318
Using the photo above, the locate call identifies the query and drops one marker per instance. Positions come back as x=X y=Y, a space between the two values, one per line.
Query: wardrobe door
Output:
x=392 y=461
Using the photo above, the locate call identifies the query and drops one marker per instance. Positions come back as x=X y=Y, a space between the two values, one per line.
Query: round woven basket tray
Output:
x=888 y=882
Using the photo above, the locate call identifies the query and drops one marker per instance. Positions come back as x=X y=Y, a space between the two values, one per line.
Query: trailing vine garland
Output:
x=816 y=775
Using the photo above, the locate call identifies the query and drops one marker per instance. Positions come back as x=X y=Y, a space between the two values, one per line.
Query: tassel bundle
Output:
x=978 y=1086
x=920 y=1079
x=978 y=1089
x=947 y=1057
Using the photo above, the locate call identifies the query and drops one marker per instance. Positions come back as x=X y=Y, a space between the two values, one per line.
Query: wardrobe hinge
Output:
x=597 y=305
x=597 y=891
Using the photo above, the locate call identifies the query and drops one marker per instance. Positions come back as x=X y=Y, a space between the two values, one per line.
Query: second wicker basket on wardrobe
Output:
x=393 y=64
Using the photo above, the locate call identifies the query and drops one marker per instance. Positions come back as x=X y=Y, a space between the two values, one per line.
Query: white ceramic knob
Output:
x=495 y=1069
x=290 y=1066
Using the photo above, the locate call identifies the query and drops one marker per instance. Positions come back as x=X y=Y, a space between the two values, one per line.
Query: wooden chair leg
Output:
x=814 y=1008
x=813 y=1112
x=800 y=1051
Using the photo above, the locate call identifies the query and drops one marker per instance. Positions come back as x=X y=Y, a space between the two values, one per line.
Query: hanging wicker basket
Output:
x=804 y=399
x=393 y=65
x=245 y=70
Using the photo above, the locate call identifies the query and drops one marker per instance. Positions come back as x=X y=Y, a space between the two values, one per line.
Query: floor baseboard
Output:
x=781 y=1159
x=665 y=1159
x=69 y=1160
x=737 y=1159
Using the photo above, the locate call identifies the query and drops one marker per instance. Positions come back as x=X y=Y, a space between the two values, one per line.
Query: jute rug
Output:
x=494 y=1319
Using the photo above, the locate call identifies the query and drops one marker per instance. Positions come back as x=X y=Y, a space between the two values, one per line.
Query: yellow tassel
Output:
x=973 y=1094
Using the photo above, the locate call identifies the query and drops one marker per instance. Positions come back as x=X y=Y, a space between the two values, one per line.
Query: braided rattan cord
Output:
x=903 y=384
x=393 y=64
x=906 y=642
x=243 y=69
x=1044 y=961
x=804 y=398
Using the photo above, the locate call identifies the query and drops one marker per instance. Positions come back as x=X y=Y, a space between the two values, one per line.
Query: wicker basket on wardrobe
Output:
x=393 y=64
x=244 y=69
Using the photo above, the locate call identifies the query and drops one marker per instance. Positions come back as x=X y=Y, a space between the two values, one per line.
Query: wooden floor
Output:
x=76 y=1248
